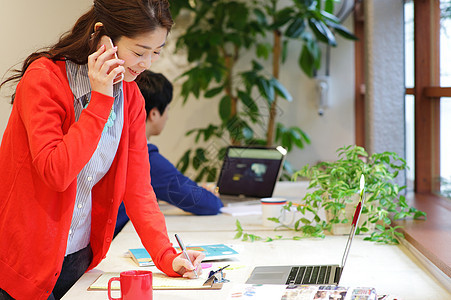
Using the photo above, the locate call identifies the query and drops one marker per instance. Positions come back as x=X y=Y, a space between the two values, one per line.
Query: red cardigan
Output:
x=42 y=151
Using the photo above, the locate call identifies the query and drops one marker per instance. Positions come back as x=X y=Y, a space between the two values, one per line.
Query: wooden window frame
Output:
x=427 y=109
x=431 y=237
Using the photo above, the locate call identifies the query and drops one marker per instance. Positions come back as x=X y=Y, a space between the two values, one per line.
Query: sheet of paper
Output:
x=300 y=292
x=164 y=281
x=159 y=281
x=257 y=291
x=242 y=210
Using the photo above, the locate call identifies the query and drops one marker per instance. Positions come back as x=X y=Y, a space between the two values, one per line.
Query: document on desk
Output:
x=242 y=210
x=160 y=281
x=301 y=292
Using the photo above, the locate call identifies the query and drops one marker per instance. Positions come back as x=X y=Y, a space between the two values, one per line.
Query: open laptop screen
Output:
x=250 y=171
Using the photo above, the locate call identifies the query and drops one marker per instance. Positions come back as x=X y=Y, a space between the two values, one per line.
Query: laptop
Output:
x=249 y=173
x=309 y=274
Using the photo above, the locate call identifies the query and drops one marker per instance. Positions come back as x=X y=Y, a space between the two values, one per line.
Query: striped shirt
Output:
x=100 y=162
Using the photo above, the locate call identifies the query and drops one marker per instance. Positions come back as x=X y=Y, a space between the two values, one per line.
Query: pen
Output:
x=182 y=246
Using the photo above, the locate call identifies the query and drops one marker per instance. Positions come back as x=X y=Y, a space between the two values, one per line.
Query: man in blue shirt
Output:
x=168 y=183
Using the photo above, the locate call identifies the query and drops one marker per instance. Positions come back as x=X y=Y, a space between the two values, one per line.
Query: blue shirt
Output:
x=173 y=187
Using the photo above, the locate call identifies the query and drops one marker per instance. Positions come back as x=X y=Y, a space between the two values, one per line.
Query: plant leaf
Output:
x=183 y=163
x=322 y=32
x=248 y=101
x=296 y=28
x=307 y=62
x=342 y=30
x=225 y=108
x=213 y=92
x=281 y=90
x=266 y=89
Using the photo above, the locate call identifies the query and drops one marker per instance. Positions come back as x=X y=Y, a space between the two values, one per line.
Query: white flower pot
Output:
x=348 y=213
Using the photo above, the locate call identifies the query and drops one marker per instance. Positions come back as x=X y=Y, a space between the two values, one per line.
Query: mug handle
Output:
x=109 y=287
x=284 y=217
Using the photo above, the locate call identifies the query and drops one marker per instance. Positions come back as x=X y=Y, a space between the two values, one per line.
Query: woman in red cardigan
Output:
x=75 y=148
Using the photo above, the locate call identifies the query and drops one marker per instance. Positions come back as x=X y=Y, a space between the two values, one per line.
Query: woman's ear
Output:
x=97 y=26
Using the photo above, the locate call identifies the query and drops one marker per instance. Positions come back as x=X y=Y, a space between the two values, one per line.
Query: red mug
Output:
x=134 y=285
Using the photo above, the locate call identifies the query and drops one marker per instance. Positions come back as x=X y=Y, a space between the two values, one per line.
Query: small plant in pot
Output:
x=335 y=186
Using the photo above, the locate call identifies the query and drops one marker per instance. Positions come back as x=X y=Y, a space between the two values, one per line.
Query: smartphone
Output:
x=106 y=40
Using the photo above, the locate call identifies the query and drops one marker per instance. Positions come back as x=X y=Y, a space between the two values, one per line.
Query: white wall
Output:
x=28 y=26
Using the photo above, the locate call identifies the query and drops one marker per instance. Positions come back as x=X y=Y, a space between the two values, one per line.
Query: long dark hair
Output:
x=119 y=18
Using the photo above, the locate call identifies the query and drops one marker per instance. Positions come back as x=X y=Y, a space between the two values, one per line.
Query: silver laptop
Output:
x=249 y=173
x=309 y=274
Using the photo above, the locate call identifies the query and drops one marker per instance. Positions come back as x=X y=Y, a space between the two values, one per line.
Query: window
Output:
x=428 y=114
x=409 y=99
x=445 y=102
x=428 y=99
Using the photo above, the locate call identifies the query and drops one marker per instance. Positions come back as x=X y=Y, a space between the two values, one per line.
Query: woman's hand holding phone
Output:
x=105 y=40
x=105 y=69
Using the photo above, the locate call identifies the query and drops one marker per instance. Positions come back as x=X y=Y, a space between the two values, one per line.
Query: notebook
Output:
x=249 y=173
x=212 y=252
x=309 y=274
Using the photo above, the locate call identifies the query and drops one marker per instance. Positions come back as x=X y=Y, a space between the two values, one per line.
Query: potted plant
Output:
x=334 y=186
x=219 y=34
x=336 y=183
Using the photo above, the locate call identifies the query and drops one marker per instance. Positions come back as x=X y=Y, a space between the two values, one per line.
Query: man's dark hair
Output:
x=156 y=89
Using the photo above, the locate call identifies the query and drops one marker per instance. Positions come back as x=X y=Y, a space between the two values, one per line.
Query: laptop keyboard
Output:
x=309 y=275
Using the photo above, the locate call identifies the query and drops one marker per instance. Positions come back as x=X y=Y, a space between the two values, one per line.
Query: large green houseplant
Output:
x=220 y=33
x=332 y=186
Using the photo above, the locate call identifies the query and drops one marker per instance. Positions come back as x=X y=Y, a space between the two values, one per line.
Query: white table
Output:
x=390 y=269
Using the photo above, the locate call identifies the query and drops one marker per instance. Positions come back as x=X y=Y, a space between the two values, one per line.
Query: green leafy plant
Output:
x=250 y=237
x=335 y=183
x=304 y=227
x=220 y=33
